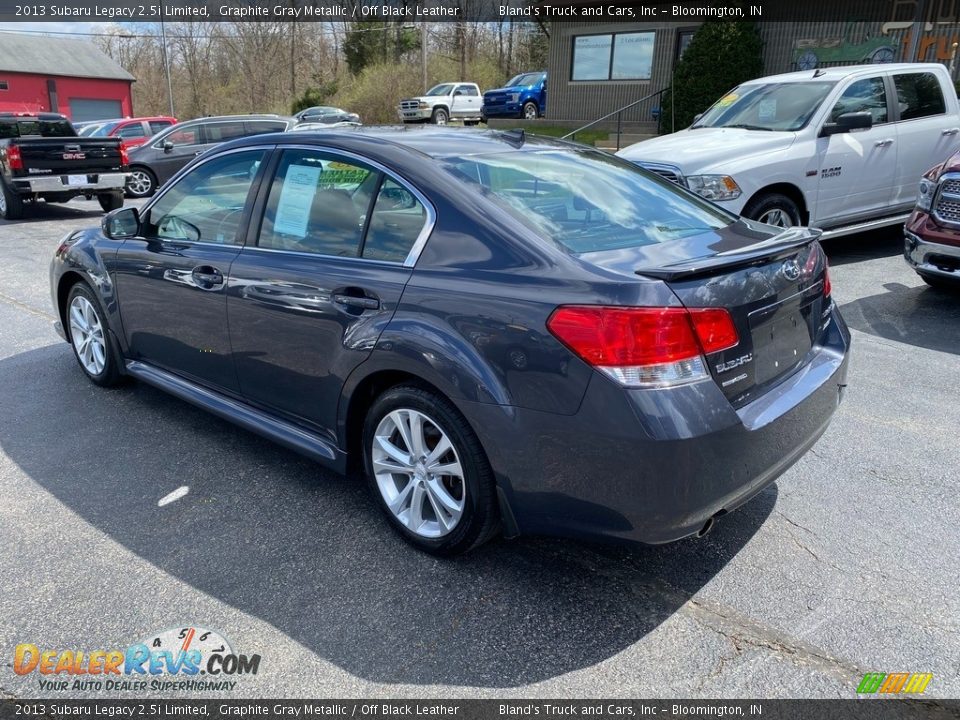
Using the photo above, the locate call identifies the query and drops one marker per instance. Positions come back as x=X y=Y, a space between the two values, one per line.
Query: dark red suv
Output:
x=932 y=232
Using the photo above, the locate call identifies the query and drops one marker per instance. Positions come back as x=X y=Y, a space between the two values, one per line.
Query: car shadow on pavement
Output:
x=275 y=536
x=864 y=246
x=44 y=211
x=919 y=316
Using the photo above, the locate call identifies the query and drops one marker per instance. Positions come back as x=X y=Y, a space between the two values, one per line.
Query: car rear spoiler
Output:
x=772 y=248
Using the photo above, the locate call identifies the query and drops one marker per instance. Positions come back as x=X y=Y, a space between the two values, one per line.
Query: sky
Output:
x=73 y=28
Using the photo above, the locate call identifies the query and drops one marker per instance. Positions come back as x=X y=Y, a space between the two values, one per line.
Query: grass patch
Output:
x=587 y=137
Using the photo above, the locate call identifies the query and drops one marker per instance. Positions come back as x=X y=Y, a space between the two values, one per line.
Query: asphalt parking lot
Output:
x=848 y=564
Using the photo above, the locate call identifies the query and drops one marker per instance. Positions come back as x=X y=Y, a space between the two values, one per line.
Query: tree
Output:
x=720 y=56
x=373 y=41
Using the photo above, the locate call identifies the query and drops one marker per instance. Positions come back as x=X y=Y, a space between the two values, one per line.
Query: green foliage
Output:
x=720 y=56
x=373 y=41
x=314 y=96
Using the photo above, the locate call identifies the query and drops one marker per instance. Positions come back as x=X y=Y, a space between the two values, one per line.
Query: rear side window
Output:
x=397 y=220
x=919 y=95
x=132 y=131
x=318 y=204
x=867 y=95
x=223 y=131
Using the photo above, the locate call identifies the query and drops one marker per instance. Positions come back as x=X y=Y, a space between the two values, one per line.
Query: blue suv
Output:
x=525 y=96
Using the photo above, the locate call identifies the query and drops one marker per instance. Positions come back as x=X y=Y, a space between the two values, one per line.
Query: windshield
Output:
x=43 y=128
x=587 y=200
x=525 y=80
x=440 y=90
x=772 y=106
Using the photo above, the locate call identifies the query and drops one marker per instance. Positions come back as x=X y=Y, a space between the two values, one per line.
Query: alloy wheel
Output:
x=86 y=333
x=530 y=112
x=777 y=218
x=139 y=182
x=418 y=473
x=3 y=203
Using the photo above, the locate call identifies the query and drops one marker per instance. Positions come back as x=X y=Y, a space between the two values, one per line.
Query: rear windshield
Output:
x=41 y=128
x=587 y=200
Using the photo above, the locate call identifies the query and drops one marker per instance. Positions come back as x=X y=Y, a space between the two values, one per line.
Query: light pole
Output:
x=166 y=61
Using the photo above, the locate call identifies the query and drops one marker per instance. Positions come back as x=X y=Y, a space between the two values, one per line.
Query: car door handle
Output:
x=951 y=131
x=884 y=143
x=366 y=303
x=207 y=277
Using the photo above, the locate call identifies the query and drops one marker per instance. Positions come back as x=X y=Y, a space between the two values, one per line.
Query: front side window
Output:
x=468 y=90
x=919 y=95
x=619 y=56
x=318 y=203
x=767 y=106
x=587 y=200
x=184 y=136
x=867 y=95
x=207 y=203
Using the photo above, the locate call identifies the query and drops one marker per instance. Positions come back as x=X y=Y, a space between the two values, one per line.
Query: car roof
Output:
x=218 y=118
x=835 y=74
x=428 y=140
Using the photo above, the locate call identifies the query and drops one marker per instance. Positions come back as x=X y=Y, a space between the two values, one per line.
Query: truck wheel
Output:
x=440 y=117
x=530 y=111
x=141 y=183
x=773 y=209
x=11 y=204
x=111 y=201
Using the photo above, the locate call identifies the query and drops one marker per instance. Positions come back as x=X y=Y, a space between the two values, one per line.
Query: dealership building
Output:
x=598 y=67
x=73 y=77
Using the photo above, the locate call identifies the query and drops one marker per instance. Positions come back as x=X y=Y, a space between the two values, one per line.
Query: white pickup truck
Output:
x=443 y=102
x=841 y=149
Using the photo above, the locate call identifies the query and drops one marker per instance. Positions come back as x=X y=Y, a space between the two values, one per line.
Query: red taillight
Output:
x=643 y=346
x=714 y=328
x=124 y=156
x=827 y=287
x=14 y=158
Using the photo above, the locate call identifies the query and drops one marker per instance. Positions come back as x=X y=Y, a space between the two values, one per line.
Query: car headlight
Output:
x=714 y=187
x=925 y=193
x=422 y=105
x=514 y=97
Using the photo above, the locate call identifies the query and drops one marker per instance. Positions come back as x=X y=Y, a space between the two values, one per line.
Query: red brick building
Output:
x=73 y=77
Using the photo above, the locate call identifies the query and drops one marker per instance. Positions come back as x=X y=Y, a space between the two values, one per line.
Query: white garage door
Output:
x=82 y=109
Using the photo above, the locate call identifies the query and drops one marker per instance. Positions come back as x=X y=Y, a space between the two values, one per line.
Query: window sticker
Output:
x=767 y=110
x=728 y=100
x=296 y=200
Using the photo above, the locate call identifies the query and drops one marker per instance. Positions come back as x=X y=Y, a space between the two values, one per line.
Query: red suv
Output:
x=932 y=232
x=134 y=131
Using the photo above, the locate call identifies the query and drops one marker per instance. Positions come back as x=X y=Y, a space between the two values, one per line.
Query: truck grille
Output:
x=669 y=172
x=947 y=209
x=409 y=104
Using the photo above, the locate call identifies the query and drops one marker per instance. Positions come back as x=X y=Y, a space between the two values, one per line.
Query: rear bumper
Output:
x=61 y=183
x=655 y=465
x=931 y=258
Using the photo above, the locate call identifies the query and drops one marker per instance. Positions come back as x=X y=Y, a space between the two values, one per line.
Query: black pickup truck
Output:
x=41 y=157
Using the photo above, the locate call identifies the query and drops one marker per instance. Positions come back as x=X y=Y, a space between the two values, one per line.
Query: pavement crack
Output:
x=23 y=306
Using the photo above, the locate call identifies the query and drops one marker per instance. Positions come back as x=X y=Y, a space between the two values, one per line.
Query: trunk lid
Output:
x=67 y=156
x=771 y=283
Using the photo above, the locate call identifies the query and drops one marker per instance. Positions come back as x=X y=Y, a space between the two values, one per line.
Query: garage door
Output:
x=82 y=109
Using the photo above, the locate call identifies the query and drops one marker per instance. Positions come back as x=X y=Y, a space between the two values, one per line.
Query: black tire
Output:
x=111 y=201
x=940 y=283
x=440 y=116
x=11 y=204
x=110 y=373
x=141 y=183
x=480 y=519
x=530 y=111
x=768 y=204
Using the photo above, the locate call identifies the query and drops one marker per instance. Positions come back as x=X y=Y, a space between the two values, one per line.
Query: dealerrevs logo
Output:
x=169 y=660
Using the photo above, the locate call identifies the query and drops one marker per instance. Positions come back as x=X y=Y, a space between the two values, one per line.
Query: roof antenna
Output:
x=515 y=136
x=818 y=72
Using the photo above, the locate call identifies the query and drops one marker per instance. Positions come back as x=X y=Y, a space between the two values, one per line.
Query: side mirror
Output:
x=847 y=122
x=167 y=146
x=696 y=118
x=121 y=223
